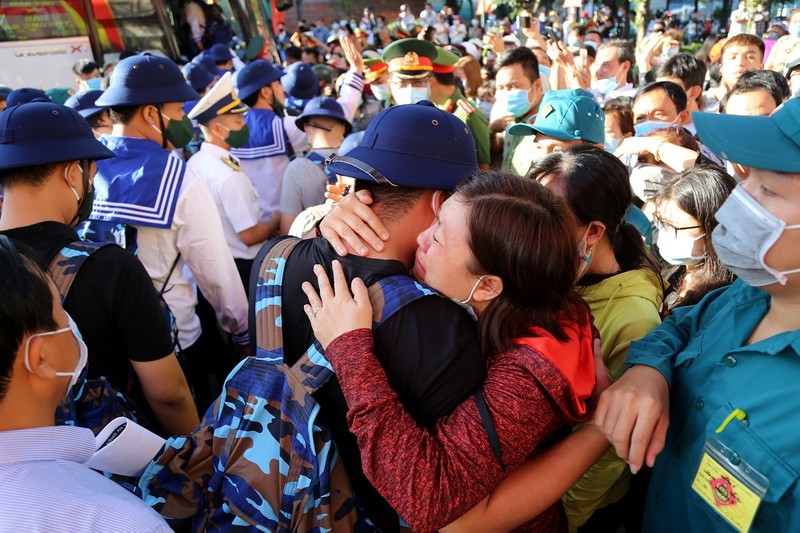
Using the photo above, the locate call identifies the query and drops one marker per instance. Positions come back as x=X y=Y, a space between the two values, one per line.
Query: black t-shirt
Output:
x=429 y=350
x=113 y=302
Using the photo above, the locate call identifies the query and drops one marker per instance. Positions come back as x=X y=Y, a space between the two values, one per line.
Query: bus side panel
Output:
x=42 y=64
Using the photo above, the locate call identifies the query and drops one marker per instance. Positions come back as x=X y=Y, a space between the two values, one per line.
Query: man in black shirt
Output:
x=47 y=160
x=429 y=348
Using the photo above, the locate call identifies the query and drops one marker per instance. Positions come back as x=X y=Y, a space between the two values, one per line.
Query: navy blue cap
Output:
x=85 y=102
x=300 y=81
x=219 y=53
x=417 y=145
x=4 y=92
x=39 y=133
x=254 y=76
x=197 y=76
x=146 y=79
x=323 y=106
x=25 y=95
x=203 y=59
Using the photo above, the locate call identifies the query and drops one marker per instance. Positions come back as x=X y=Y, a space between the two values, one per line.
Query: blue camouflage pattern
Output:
x=259 y=460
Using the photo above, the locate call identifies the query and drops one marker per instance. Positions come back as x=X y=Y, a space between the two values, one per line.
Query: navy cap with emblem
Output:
x=323 y=106
x=85 y=102
x=417 y=145
x=146 y=79
x=197 y=76
x=254 y=76
x=25 y=95
x=41 y=132
x=569 y=114
x=220 y=100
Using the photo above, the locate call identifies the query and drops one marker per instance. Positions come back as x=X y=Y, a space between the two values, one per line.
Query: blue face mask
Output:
x=605 y=86
x=94 y=83
x=410 y=95
x=649 y=126
x=544 y=72
x=334 y=26
x=573 y=40
x=611 y=144
x=516 y=102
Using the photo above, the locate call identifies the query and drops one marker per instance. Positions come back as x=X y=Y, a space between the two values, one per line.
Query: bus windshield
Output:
x=23 y=20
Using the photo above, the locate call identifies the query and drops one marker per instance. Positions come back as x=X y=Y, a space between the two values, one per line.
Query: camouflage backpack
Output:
x=259 y=460
x=93 y=402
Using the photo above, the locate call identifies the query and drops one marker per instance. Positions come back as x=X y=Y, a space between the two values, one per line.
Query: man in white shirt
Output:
x=611 y=71
x=221 y=117
x=45 y=484
x=428 y=15
x=458 y=31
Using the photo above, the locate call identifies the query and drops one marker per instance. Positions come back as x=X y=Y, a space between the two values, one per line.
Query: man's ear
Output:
x=488 y=289
x=37 y=358
x=683 y=117
x=73 y=175
x=693 y=93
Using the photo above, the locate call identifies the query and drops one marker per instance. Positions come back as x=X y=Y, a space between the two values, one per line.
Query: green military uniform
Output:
x=517 y=149
x=476 y=122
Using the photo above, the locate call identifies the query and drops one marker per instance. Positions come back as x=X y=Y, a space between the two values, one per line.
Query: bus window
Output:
x=129 y=25
x=24 y=20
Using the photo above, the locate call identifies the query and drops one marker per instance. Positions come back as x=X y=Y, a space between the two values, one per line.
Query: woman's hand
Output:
x=335 y=311
x=352 y=223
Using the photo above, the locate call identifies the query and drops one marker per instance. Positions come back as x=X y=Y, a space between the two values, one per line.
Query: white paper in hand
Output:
x=125 y=448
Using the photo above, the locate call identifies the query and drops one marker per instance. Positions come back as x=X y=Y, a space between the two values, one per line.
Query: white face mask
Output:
x=410 y=95
x=381 y=91
x=83 y=353
x=677 y=250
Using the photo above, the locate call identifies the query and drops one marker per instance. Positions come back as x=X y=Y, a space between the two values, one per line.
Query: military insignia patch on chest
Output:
x=231 y=163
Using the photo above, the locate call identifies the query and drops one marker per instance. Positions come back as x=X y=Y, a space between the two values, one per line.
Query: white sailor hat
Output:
x=220 y=100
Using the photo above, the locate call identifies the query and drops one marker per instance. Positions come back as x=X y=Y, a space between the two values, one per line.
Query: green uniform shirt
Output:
x=517 y=150
x=476 y=122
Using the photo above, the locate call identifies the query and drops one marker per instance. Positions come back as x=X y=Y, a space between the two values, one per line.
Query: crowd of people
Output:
x=420 y=273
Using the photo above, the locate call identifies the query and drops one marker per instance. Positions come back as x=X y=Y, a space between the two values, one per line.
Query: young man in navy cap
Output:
x=729 y=460
x=46 y=169
x=273 y=136
x=304 y=181
x=221 y=117
x=85 y=103
x=149 y=188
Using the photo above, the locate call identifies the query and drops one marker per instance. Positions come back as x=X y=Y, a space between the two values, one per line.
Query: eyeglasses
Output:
x=320 y=126
x=666 y=226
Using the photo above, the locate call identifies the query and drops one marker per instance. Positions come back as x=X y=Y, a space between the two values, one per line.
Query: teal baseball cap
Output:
x=769 y=143
x=570 y=114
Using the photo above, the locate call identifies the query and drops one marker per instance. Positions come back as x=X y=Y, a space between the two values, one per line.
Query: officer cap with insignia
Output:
x=374 y=68
x=415 y=145
x=444 y=62
x=219 y=100
x=146 y=79
x=410 y=58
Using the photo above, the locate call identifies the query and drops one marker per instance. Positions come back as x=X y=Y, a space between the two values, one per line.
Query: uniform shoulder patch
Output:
x=231 y=163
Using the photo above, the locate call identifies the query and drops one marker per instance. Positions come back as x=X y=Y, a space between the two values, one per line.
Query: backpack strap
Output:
x=66 y=263
x=387 y=296
x=488 y=425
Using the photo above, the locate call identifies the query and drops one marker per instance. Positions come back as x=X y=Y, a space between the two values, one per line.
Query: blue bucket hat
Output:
x=24 y=96
x=323 y=106
x=197 y=76
x=254 y=76
x=570 y=115
x=206 y=61
x=39 y=133
x=85 y=103
x=300 y=81
x=219 y=53
x=415 y=145
x=146 y=79
x=769 y=143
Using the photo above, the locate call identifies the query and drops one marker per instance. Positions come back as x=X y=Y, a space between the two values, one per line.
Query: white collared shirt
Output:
x=45 y=486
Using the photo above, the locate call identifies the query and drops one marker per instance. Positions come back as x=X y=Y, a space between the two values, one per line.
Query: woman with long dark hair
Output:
x=505 y=247
x=684 y=218
x=617 y=277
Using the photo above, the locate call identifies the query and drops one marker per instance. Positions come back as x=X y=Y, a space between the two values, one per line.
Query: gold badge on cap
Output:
x=411 y=59
x=547 y=110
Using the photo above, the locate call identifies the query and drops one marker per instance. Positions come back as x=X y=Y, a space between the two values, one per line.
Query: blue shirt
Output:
x=702 y=352
x=45 y=486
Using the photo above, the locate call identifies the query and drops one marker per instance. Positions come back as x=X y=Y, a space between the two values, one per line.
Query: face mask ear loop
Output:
x=474 y=288
x=163 y=128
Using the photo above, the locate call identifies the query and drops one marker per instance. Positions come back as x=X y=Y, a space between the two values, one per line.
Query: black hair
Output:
x=251 y=100
x=579 y=29
x=25 y=308
x=32 y=176
x=294 y=53
x=769 y=80
x=700 y=192
x=522 y=56
x=673 y=91
x=95 y=118
x=447 y=78
x=85 y=66
x=685 y=67
x=123 y=114
x=597 y=188
x=390 y=202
